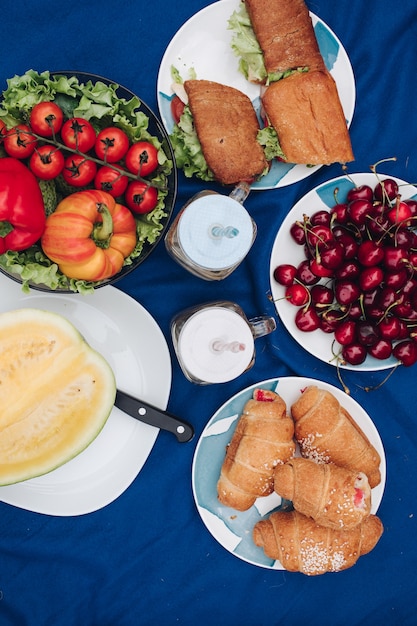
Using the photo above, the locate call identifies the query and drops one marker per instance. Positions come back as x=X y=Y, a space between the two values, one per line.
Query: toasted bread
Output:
x=227 y=126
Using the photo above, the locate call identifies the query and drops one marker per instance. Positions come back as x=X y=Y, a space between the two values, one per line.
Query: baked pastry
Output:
x=306 y=113
x=327 y=433
x=227 y=126
x=302 y=545
x=263 y=438
x=285 y=34
x=333 y=496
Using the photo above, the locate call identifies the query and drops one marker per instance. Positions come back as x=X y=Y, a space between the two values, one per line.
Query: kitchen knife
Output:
x=149 y=414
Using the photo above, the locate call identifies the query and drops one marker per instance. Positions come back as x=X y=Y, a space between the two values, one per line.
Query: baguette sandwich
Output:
x=305 y=111
x=216 y=136
x=301 y=104
x=274 y=38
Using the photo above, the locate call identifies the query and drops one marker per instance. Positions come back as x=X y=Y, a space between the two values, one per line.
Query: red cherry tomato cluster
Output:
x=107 y=160
x=359 y=276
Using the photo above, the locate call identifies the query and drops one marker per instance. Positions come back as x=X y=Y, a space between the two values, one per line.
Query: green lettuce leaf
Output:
x=187 y=148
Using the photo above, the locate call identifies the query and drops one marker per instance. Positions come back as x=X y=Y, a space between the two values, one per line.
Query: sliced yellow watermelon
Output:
x=56 y=393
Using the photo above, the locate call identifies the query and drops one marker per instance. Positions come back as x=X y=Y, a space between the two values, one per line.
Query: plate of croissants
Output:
x=289 y=474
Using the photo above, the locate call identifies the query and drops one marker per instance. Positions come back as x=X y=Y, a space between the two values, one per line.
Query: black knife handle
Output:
x=149 y=414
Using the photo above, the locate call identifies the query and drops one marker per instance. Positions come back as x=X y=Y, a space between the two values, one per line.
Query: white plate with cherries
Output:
x=343 y=272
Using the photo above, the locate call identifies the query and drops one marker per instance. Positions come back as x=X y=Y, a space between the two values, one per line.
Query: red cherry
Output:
x=363 y=192
x=339 y=212
x=366 y=333
x=331 y=319
x=319 y=235
x=297 y=294
x=349 y=244
x=354 y=353
x=348 y=269
x=370 y=253
x=319 y=270
x=305 y=275
x=394 y=258
x=396 y=278
x=382 y=349
x=345 y=332
x=285 y=273
x=320 y=294
x=298 y=233
x=346 y=291
x=321 y=217
x=370 y=277
x=389 y=328
x=332 y=255
x=406 y=352
x=359 y=210
x=386 y=190
x=400 y=214
x=307 y=319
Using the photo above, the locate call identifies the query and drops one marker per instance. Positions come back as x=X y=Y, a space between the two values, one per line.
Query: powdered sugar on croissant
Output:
x=302 y=545
x=263 y=438
x=333 y=496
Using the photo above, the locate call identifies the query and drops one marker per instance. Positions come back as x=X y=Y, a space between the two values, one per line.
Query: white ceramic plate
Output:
x=285 y=250
x=203 y=44
x=132 y=342
x=233 y=529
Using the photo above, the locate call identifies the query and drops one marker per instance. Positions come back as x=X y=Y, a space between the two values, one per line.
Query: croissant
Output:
x=263 y=438
x=326 y=433
x=302 y=545
x=333 y=496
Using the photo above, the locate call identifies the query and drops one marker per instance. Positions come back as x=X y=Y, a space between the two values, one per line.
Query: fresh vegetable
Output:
x=56 y=393
x=46 y=119
x=89 y=235
x=140 y=197
x=111 y=144
x=100 y=104
x=19 y=142
x=110 y=180
x=46 y=162
x=142 y=158
x=78 y=170
x=78 y=134
x=22 y=213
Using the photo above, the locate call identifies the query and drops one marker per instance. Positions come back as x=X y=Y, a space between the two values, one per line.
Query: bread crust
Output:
x=307 y=115
x=302 y=545
x=285 y=34
x=227 y=128
x=327 y=433
x=333 y=496
x=263 y=438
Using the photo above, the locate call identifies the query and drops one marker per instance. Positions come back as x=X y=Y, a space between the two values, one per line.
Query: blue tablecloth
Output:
x=147 y=559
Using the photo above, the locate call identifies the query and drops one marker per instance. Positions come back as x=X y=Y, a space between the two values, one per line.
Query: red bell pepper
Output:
x=22 y=211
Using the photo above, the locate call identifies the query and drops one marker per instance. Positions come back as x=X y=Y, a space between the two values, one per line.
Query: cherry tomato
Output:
x=46 y=162
x=46 y=119
x=19 y=142
x=142 y=158
x=111 y=144
x=110 y=180
x=177 y=108
x=3 y=128
x=140 y=197
x=79 y=134
x=78 y=171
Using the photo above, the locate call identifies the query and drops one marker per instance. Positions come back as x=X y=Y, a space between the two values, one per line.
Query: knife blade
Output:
x=149 y=414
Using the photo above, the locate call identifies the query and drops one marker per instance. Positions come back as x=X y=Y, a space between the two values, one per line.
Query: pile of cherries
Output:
x=358 y=279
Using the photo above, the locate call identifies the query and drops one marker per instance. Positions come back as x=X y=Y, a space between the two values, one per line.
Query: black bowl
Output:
x=156 y=129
